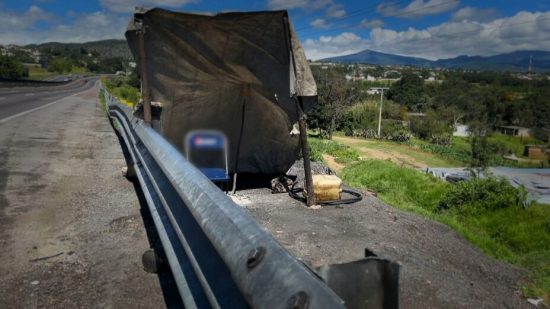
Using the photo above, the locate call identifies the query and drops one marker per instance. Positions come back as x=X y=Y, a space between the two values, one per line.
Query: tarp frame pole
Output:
x=308 y=181
x=145 y=90
x=305 y=155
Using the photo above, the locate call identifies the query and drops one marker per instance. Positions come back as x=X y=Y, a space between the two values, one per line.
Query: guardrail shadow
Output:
x=172 y=298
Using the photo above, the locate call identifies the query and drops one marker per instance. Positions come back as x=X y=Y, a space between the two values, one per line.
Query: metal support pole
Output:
x=305 y=154
x=380 y=112
x=145 y=91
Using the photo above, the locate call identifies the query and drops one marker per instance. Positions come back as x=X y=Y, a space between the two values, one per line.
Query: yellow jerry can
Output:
x=326 y=187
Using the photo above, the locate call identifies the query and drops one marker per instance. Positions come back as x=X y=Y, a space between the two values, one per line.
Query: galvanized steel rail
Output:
x=220 y=257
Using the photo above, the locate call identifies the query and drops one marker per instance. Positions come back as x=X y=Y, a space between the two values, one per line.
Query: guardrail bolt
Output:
x=299 y=300
x=255 y=256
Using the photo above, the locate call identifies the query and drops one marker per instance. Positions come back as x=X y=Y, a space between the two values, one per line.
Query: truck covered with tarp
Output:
x=242 y=74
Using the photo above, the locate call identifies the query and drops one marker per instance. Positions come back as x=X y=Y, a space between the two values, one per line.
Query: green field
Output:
x=507 y=231
x=37 y=73
x=514 y=144
x=420 y=154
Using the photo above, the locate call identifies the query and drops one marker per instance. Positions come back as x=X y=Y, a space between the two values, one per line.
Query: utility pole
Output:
x=381 y=89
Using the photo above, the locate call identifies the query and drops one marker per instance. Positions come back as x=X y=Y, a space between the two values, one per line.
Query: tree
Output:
x=409 y=91
x=335 y=97
x=481 y=152
x=11 y=68
x=432 y=126
x=60 y=65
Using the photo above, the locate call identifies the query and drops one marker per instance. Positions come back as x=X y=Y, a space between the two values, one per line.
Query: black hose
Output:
x=295 y=194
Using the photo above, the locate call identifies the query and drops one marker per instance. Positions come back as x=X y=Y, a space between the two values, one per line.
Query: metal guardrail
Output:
x=219 y=256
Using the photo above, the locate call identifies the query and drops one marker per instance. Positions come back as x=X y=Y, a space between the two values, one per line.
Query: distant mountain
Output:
x=514 y=61
x=105 y=48
x=374 y=57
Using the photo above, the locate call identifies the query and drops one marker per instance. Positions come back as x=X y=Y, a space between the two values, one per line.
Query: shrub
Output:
x=11 y=68
x=448 y=152
x=481 y=195
x=442 y=139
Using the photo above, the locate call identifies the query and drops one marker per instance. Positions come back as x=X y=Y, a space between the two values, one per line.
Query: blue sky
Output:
x=424 y=28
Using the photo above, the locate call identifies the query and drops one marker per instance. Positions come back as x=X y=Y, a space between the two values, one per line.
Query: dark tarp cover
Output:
x=239 y=73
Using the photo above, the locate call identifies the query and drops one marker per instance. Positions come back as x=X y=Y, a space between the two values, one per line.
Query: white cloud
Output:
x=320 y=23
x=336 y=11
x=342 y=44
x=473 y=14
x=128 y=6
x=13 y=21
x=417 y=8
x=21 y=29
x=298 y=4
x=523 y=31
x=371 y=23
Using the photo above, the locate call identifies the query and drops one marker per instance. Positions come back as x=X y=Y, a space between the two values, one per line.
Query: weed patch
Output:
x=342 y=154
x=489 y=213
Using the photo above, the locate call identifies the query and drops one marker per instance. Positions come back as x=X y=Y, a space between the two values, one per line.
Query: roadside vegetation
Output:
x=37 y=62
x=10 y=68
x=489 y=213
x=125 y=88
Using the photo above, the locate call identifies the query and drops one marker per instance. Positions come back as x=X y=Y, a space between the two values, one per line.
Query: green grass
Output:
x=514 y=234
x=458 y=153
x=341 y=153
x=455 y=155
x=79 y=70
x=405 y=187
x=514 y=144
x=37 y=73
x=119 y=88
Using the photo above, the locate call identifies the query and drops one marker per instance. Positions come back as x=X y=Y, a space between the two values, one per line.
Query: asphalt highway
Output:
x=72 y=229
x=19 y=100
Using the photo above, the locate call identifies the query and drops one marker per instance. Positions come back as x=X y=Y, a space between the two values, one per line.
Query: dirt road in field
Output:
x=371 y=153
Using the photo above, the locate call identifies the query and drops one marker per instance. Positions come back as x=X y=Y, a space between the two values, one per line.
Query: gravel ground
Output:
x=71 y=229
x=72 y=233
x=439 y=269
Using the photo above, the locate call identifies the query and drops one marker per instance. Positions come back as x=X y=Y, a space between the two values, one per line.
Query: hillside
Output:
x=104 y=49
x=514 y=61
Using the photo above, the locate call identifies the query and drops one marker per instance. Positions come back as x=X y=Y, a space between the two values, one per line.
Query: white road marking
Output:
x=37 y=108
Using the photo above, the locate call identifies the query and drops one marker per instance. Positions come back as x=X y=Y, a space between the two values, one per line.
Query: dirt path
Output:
x=393 y=156
x=71 y=229
x=332 y=164
x=370 y=153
